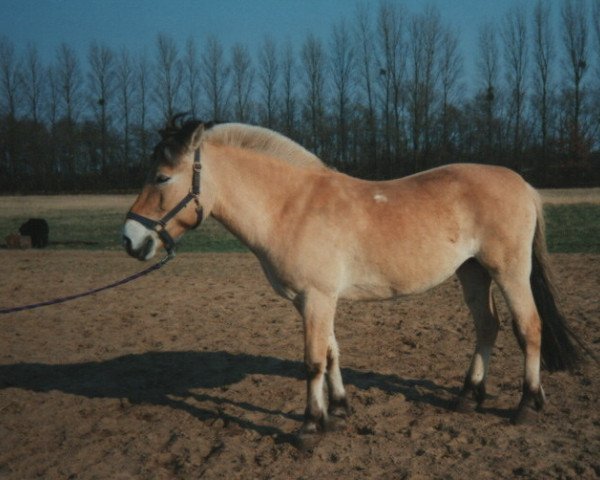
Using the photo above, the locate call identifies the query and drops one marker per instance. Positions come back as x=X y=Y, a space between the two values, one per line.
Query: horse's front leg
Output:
x=318 y=311
x=338 y=408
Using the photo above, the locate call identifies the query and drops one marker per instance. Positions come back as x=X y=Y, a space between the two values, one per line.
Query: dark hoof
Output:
x=524 y=415
x=340 y=408
x=308 y=441
x=335 y=424
x=471 y=397
x=529 y=407
x=465 y=404
x=311 y=431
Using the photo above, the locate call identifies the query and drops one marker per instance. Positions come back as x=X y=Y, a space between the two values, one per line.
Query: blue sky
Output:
x=134 y=24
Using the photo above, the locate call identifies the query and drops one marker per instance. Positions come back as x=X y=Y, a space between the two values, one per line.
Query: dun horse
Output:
x=321 y=236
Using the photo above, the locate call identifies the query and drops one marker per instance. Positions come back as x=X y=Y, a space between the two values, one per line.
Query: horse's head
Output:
x=173 y=199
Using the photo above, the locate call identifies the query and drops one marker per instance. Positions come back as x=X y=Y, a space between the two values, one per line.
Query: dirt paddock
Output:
x=195 y=372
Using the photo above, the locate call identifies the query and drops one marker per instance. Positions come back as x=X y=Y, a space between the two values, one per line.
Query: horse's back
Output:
x=476 y=181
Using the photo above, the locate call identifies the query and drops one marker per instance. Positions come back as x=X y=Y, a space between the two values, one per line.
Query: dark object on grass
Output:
x=38 y=230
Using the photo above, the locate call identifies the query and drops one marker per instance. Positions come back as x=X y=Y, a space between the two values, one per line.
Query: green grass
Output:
x=102 y=231
x=570 y=229
x=573 y=228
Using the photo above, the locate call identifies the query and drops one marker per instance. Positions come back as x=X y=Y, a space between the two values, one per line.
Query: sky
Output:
x=134 y=24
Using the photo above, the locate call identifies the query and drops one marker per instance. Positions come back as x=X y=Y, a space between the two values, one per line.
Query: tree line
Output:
x=383 y=95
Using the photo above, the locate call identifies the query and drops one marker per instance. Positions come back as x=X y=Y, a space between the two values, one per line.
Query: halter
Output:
x=160 y=226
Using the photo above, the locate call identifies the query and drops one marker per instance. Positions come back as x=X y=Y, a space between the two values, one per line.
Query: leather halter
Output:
x=160 y=226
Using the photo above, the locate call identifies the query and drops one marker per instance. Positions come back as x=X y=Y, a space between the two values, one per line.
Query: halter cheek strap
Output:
x=160 y=226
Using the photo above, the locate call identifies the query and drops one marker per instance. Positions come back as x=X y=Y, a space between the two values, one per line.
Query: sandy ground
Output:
x=195 y=372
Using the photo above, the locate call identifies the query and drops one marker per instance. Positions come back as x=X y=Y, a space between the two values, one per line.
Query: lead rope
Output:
x=169 y=244
x=118 y=283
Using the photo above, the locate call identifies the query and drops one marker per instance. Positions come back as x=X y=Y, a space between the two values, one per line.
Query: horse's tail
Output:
x=560 y=346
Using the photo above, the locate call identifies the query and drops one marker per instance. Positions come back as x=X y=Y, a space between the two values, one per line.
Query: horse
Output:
x=321 y=236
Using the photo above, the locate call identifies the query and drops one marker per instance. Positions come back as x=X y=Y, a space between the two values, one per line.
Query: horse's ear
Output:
x=196 y=137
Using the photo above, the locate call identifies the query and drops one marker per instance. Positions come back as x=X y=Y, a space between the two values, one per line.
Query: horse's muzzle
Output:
x=145 y=252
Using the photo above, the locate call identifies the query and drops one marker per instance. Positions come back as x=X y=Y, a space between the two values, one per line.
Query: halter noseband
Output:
x=160 y=226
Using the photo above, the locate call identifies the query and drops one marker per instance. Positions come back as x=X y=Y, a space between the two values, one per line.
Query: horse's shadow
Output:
x=168 y=378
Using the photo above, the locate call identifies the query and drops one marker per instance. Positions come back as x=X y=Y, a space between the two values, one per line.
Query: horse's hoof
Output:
x=529 y=407
x=335 y=423
x=465 y=404
x=525 y=415
x=307 y=441
x=340 y=408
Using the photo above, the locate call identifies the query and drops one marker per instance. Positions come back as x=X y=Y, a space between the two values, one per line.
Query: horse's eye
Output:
x=160 y=178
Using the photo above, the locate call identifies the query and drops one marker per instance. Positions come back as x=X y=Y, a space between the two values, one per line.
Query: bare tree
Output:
x=9 y=81
x=596 y=24
x=342 y=72
x=488 y=71
x=392 y=58
x=215 y=79
x=33 y=82
x=142 y=95
x=313 y=63
x=514 y=36
x=125 y=84
x=192 y=76
x=543 y=55
x=102 y=84
x=70 y=82
x=425 y=35
x=53 y=96
x=366 y=69
x=288 y=80
x=38 y=144
x=450 y=67
x=268 y=76
x=575 y=41
x=168 y=75
x=243 y=81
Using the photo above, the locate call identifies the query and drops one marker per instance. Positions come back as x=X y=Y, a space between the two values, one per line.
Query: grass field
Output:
x=95 y=221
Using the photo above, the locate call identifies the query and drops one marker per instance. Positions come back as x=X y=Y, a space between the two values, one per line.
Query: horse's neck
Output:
x=250 y=192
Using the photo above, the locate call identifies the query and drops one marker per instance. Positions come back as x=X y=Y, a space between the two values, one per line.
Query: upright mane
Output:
x=262 y=140
x=175 y=137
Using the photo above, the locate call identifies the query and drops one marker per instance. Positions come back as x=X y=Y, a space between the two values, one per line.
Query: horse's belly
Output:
x=403 y=278
x=369 y=291
x=386 y=290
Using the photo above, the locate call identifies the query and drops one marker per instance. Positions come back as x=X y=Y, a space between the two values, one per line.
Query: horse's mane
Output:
x=177 y=134
x=262 y=140
x=175 y=137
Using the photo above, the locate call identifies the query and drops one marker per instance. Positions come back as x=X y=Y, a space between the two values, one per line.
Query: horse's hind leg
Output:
x=528 y=330
x=476 y=283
